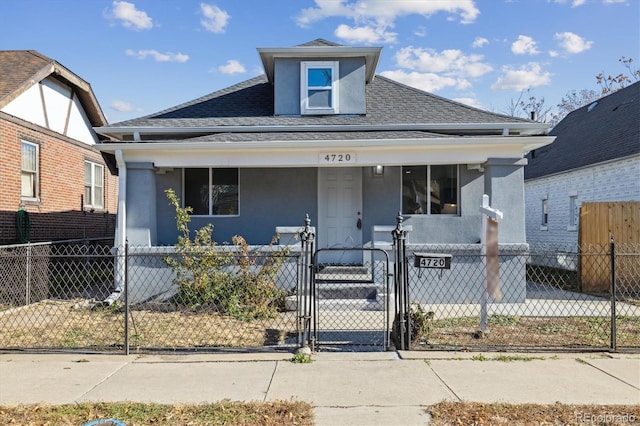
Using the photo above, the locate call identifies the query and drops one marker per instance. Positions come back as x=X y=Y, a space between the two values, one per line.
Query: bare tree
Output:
x=572 y=101
x=610 y=84
x=528 y=106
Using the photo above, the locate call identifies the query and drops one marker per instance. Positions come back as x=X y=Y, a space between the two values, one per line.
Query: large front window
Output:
x=211 y=191
x=319 y=87
x=430 y=189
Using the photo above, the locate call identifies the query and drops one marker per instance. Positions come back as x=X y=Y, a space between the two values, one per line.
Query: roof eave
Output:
x=527 y=144
x=87 y=97
x=370 y=54
x=505 y=129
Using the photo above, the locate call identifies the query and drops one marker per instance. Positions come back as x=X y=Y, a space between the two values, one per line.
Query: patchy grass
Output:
x=471 y=413
x=516 y=331
x=505 y=358
x=73 y=324
x=130 y=413
x=301 y=413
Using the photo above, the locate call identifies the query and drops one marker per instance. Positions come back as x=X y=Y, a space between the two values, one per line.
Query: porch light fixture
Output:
x=378 y=170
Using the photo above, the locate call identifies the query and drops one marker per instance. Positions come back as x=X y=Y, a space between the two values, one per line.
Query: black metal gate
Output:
x=343 y=306
x=351 y=301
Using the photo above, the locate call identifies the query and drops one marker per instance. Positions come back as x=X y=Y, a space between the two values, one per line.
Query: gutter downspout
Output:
x=121 y=230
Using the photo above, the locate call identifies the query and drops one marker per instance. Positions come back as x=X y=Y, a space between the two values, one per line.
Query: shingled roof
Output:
x=250 y=103
x=21 y=69
x=601 y=131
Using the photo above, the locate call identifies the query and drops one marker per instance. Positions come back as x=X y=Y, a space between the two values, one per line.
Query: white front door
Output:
x=340 y=213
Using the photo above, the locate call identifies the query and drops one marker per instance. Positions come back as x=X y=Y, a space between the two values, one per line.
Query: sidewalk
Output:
x=383 y=388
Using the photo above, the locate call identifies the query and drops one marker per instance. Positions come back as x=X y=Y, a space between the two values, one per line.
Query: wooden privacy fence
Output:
x=599 y=222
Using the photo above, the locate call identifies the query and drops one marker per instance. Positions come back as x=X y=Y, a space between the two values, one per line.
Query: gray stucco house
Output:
x=321 y=134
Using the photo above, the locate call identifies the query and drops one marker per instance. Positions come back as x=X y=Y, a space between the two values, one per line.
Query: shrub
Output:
x=421 y=322
x=204 y=272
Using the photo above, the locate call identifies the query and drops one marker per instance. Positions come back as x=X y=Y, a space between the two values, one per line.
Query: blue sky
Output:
x=142 y=56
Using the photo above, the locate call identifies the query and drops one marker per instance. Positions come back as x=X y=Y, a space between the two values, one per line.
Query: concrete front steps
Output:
x=346 y=287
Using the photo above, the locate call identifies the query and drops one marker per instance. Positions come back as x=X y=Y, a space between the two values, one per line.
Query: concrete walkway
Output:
x=381 y=388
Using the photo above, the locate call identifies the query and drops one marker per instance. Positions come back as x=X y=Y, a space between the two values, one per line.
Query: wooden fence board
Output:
x=599 y=222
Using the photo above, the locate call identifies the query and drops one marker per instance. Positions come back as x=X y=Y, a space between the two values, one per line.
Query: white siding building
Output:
x=595 y=157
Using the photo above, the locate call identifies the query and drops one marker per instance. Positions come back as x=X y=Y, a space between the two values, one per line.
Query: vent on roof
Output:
x=592 y=106
x=624 y=104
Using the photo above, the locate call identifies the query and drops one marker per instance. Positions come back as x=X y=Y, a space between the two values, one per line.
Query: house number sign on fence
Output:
x=432 y=260
x=337 y=157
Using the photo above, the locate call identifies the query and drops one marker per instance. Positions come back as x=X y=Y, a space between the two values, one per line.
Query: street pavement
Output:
x=345 y=388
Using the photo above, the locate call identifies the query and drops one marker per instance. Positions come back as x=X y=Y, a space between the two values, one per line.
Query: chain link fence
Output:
x=551 y=298
x=89 y=296
x=74 y=295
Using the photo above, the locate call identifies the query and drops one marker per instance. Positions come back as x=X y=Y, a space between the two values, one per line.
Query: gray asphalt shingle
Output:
x=601 y=131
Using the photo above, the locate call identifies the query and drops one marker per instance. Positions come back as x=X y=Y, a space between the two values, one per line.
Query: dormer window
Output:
x=319 y=87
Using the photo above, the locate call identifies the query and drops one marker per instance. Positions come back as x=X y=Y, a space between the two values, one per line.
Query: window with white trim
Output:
x=573 y=212
x=430 y=189
x=93 y=185
x=211 y=191
x=29 y=173
x=544 y=220
x=319 y=87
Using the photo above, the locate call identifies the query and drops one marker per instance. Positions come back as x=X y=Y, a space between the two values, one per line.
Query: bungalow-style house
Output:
x=321 y=134
x=55 y=183
x=595 y=157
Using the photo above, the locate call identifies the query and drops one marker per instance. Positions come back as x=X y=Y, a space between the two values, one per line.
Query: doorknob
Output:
x=359 y=223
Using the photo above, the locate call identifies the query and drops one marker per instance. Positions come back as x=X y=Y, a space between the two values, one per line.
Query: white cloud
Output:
x=232 y=67
x=614 y=1
x=554 y=53
x=479 y=42
x=379 y=16
x=215 y=19
x=121 y=106
x=157 y=56
x=572 y=43
x=524 y=45
x=429 y=82
x=364 y=34
x=574 y=3
x=129 y=16
x=420 y=31
x=525 y=77
x=387 y=11
x=452 y=62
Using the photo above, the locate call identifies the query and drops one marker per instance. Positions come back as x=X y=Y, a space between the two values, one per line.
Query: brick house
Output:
x=50 y=167
x=595 y=158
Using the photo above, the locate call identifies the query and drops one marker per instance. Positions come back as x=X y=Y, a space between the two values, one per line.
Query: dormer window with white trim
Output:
x=319 y=87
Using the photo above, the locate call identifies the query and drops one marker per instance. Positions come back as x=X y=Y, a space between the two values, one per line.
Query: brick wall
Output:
x=611 y=181
x=58 y=213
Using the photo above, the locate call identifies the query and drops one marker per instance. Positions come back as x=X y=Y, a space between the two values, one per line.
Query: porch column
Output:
x=504 y=184
x=141 y=204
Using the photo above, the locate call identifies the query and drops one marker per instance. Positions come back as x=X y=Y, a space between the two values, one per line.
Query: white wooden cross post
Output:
x=489 y=251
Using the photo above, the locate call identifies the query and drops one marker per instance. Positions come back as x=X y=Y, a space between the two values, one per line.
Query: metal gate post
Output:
x=614 y=343
x=126 y=297
x=305 y=288
x=403 y=320
x=27 y=296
